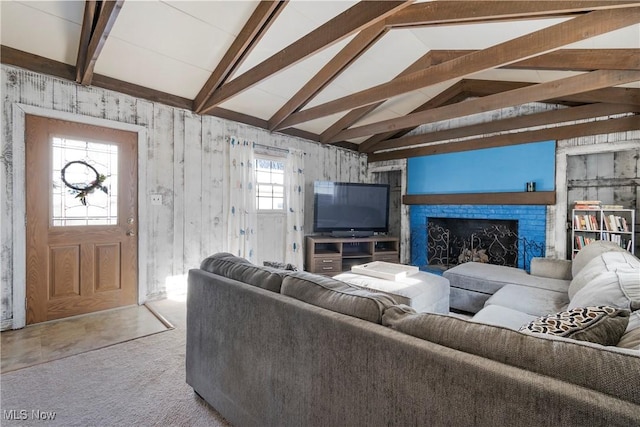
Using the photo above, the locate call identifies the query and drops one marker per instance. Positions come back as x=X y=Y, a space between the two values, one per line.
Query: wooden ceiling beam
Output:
x=353 y=116
x=88 y=21
x=563 y=59
x=453 y=12
x=582 y=60
x=514 y=123
x=106 y=18
x=362 y=15
x=352 y=51
x=254 y=29
x=537 y=92
x=475 y=88
x=611 y=95
x=453 y=94
x=61 y=70
x=597 y=127
x=541 y=41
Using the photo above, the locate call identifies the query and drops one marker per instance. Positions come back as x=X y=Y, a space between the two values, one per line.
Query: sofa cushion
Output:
x=488 y=278
x=591 y=251
x=337 y=296
x=608 y=261
x=237 y=268
x=551 y=268
x=503 y=316
x=602 y=324
x=563 y=358
x=631 y=337
x=534 y=301
x=618 y=288
x=421 y=291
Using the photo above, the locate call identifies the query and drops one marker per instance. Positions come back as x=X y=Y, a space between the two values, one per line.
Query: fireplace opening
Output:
x=453 y=241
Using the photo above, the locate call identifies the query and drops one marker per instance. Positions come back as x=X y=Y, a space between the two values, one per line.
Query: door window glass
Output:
x=85 y=183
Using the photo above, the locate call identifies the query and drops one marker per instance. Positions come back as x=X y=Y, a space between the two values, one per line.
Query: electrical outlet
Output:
x=156 y=199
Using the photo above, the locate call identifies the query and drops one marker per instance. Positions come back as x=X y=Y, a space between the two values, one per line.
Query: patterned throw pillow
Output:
x=600 y=324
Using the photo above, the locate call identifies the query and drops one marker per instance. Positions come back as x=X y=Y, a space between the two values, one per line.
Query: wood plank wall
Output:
x=185 y=161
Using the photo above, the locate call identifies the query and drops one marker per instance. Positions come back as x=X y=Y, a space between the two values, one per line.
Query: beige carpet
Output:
x=136 y=383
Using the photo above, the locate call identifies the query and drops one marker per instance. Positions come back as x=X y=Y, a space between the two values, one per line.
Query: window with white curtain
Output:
x=270 y=184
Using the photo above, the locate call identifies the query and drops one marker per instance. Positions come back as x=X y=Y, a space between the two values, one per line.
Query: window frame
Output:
x=283 y=162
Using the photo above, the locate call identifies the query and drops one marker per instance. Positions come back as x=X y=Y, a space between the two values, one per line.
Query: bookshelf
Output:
x=602 y=222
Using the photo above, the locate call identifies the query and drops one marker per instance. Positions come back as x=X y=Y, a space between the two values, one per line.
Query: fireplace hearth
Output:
x=453 y=241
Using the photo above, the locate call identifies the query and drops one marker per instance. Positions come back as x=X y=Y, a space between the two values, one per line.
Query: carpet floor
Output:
x=135 y=383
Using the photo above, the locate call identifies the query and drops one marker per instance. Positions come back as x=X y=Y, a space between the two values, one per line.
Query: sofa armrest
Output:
x=551 y=268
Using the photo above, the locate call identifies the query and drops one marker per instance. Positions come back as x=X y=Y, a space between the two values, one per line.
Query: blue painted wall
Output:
x=501 y=169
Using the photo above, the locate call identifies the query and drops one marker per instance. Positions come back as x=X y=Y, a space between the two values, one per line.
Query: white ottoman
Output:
x=424 y=292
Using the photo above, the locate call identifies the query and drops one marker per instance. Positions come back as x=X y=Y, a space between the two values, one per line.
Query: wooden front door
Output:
x=81 y=200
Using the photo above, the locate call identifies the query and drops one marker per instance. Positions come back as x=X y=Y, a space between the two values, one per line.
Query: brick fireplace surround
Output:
x=531 y=225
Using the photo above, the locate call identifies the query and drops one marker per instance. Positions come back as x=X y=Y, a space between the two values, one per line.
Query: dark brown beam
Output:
x=521 y=122
x=106 y=19
x=548 y=39
x=453 y=94
x=360 y=16
x=597 y=127
x=354 y=115
x=85 y=35
x=450 y=12
x=611 y=95
x=255 y=28
x=352 y=51
x=50 y=67
x=563 y=59
x=538 y=92
x=582 y=60
x=39 y=64
x=524 y=198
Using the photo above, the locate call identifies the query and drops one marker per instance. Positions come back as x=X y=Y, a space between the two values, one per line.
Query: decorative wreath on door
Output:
x=82 y=190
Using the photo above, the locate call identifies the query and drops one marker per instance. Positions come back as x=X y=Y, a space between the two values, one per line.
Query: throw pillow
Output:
x=616 y=288
x=601 y=324
x=608 y=261
x=631 y=337
x=280 y=265
x=591 y=251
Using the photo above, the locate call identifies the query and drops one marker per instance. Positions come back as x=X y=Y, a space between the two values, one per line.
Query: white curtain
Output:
x=294 y=193
x=242 y=223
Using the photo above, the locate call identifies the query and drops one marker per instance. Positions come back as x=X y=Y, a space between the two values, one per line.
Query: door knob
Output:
x=131 y=233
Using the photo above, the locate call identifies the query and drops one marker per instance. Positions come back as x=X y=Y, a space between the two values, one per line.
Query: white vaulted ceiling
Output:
x=171 y=48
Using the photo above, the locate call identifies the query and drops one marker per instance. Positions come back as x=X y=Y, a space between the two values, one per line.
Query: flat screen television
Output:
x=350 y=209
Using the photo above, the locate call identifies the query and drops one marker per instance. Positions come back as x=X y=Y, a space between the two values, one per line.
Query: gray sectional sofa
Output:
x=268 y=347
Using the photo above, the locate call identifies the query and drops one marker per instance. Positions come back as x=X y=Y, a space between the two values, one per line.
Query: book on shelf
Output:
x=582 y=241
x=586 y=223
x=625 y=226
x=612 y=207
x=587 y=204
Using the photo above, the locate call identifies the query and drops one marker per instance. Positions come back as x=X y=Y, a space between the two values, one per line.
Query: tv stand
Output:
x=333 y=255
x=351 y=233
